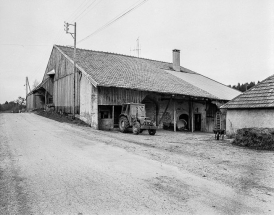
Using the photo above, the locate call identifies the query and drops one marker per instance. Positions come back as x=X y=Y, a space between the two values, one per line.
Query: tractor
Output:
x=133 y=116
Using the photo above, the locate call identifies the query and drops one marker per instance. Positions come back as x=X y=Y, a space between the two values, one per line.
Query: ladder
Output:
x=218 y=130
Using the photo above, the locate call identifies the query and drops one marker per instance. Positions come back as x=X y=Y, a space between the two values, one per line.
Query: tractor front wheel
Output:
x=123 y=124
x=152 y=131
x=136 y=128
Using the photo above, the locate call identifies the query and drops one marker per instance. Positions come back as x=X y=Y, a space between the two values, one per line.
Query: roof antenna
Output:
x=137 y=49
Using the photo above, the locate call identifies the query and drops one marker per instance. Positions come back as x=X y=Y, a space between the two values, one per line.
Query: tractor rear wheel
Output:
x=123 y=124
x=136 y=128
x=152 y=131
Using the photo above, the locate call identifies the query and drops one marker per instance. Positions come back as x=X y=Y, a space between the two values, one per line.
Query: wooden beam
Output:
x=192 y=117
x=174 y=117
x=189 y=114
x=113 y=115
x=45 y=98
x=165 y=110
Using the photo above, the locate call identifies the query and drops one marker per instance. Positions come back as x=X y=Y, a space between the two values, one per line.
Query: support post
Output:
x=174 y=117
x=113 y=115
x=45 y=99
x=26 y=87
x=192 y=117
x=165 y=110
x=26 y=93
x=74 y=71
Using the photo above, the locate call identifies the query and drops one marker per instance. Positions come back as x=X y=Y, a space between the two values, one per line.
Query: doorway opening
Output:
x=117 y=112
x=185 y=118
x=197 y=122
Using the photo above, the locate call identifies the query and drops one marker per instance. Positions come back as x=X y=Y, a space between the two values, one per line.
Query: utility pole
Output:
x=27 y=85
x=66 y=25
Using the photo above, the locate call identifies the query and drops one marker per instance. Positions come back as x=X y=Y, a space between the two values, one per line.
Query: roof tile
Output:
x=259 y=96
x=115 y=70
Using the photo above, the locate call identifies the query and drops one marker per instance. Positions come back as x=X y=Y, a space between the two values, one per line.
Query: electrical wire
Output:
x=112 y=21
x=81 y=15
x=76 y=13
x=15 y=44
x=77 y=10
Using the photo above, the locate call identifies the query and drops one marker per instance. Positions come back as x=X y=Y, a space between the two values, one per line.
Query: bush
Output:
x=257 y=138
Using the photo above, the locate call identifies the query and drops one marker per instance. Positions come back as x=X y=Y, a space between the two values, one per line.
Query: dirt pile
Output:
x=67 y=118
x=257 y=138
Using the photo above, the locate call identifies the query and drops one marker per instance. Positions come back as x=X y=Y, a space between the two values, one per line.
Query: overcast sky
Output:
x=229 y=41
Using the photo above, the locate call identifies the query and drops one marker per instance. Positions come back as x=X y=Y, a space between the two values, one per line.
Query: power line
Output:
x=17 y=44
x=75 y=13
x=114 y=20
x=81 y=15
x=78 y=9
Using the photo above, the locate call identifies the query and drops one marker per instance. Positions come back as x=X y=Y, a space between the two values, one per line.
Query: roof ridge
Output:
x=117 y=54
x=130 y=56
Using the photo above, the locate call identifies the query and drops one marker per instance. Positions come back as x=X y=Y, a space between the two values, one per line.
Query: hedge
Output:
x=257 y=138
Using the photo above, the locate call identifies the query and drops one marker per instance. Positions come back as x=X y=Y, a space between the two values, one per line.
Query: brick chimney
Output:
x=176 y=60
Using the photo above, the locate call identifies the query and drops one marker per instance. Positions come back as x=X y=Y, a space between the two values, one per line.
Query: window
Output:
x=105 y=111
x=105 y=115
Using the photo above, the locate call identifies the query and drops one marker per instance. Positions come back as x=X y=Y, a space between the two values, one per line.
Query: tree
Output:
x=35 y=84
x=243 y=87
x=20 y=101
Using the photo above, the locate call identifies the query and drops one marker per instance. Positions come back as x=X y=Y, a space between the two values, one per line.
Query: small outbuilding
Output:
x=104 y=81
x=253 y=108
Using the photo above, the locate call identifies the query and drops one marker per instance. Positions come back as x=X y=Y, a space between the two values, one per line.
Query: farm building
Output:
x=253 y=108
x=105 y=81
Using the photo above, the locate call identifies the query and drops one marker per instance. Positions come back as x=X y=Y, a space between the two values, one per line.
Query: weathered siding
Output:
x=62 y=86
x=88 y=103
x=236 y=119
x=34 y=102
x=119 y=96
x=48 y=86
x=30 y=102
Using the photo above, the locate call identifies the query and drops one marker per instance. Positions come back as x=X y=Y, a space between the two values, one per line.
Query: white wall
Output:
x=88 y=103
x=237 y=119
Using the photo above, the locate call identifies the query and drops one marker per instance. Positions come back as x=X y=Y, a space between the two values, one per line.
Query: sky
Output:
x=230 y=41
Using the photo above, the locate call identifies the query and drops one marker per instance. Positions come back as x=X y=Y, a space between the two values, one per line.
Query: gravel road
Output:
x=48 y=167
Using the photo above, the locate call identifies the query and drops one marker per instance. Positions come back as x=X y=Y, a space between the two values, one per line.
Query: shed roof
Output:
x=115 y=70
x=213 y=87
x=259 y=96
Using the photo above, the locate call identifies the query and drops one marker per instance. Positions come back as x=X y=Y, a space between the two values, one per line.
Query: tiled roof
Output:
x=115 y=70
x=259 y=96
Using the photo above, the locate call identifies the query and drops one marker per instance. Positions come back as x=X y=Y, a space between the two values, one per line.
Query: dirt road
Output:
x=48 y=167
